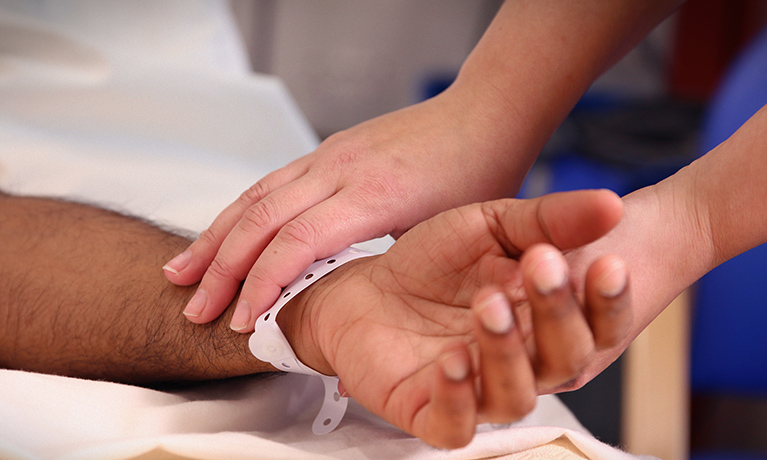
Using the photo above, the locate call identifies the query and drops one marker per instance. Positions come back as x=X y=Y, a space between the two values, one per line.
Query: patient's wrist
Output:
x=298 y=320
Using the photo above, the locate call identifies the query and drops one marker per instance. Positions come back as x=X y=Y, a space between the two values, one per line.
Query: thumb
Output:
x=566 y=220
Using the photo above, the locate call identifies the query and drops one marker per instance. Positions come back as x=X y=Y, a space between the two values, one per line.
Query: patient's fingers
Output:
x=507 y=380
x=608 y=301
x=451 y=415
x=563 y=340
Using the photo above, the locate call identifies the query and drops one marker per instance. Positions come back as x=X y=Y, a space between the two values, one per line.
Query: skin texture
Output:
x=408 y=332
x=80 y=295
x=474 y=142
x=676 y=231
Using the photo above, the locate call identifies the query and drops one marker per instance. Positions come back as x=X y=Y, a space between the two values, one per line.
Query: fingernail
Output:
x=550 y=273
x=241 y=316
x=613 y=281
x=178 y=263
x=454 y=365
x=196 y=304
x=495 y=314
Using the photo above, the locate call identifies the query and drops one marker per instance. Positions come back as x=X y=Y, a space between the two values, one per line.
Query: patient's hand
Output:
x=409 y=332
x=381 y=177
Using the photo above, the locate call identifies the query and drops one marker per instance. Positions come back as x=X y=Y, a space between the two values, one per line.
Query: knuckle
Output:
x=347 y=150
x=520 y=406
x=261 y=216
x=375 y=192
x=209 y=237
x=221 y=270
x=256 y=278
x=347 y=157
x=556 y=312
x=300 y=232
x=383 y=185
x=606 y=337
x=255 y=193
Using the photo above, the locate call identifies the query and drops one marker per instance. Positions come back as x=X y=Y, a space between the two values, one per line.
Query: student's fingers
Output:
x=563 y=340
x=608 y=301
x=188 y=267
x=450 y=418
x=507 y=380
x=246 y=243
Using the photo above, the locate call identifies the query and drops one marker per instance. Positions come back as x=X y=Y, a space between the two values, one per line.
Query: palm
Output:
x=391 y=317
x=402 y=322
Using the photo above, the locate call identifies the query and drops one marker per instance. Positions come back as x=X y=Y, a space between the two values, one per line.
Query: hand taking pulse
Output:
x=381 y=177
x=472 y=143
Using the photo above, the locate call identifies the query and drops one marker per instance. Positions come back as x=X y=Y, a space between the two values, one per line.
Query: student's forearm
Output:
x=714 y=208
x=81 y=295
x=731 y=186
x=676 y=231
x=538 y=57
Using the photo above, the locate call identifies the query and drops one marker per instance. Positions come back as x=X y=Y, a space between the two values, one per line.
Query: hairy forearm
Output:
x=81 y=295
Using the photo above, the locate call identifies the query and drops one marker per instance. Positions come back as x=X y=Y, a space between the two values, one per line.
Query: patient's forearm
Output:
x=81 y=295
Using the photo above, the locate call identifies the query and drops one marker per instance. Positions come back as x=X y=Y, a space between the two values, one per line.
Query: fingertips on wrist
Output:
x=241 y=319
x=178 y=263
x=196 y=305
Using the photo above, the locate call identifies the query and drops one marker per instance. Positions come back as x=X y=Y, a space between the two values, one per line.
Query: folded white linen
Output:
x=53 y=417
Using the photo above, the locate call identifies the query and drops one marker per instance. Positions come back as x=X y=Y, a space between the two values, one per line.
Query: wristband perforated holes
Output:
x=269 y=344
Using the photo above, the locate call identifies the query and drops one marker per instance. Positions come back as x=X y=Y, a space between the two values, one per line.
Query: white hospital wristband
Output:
x=269 y=344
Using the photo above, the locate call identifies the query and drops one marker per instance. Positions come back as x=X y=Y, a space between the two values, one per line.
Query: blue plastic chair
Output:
x=729 y=325
x=729 y=331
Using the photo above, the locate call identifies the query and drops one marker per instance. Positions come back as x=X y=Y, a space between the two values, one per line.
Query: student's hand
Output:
x=381 y=177
x=478 y=294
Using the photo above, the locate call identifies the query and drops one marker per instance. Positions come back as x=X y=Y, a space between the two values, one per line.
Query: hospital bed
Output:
x=147 y=107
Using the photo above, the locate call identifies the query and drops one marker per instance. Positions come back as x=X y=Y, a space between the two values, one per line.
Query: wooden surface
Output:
x=656 y=386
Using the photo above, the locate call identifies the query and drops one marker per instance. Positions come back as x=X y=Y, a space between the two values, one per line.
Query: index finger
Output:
x=188 y=267
x=246 y=242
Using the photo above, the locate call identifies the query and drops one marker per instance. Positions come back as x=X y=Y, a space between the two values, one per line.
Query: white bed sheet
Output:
x=173 y=133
